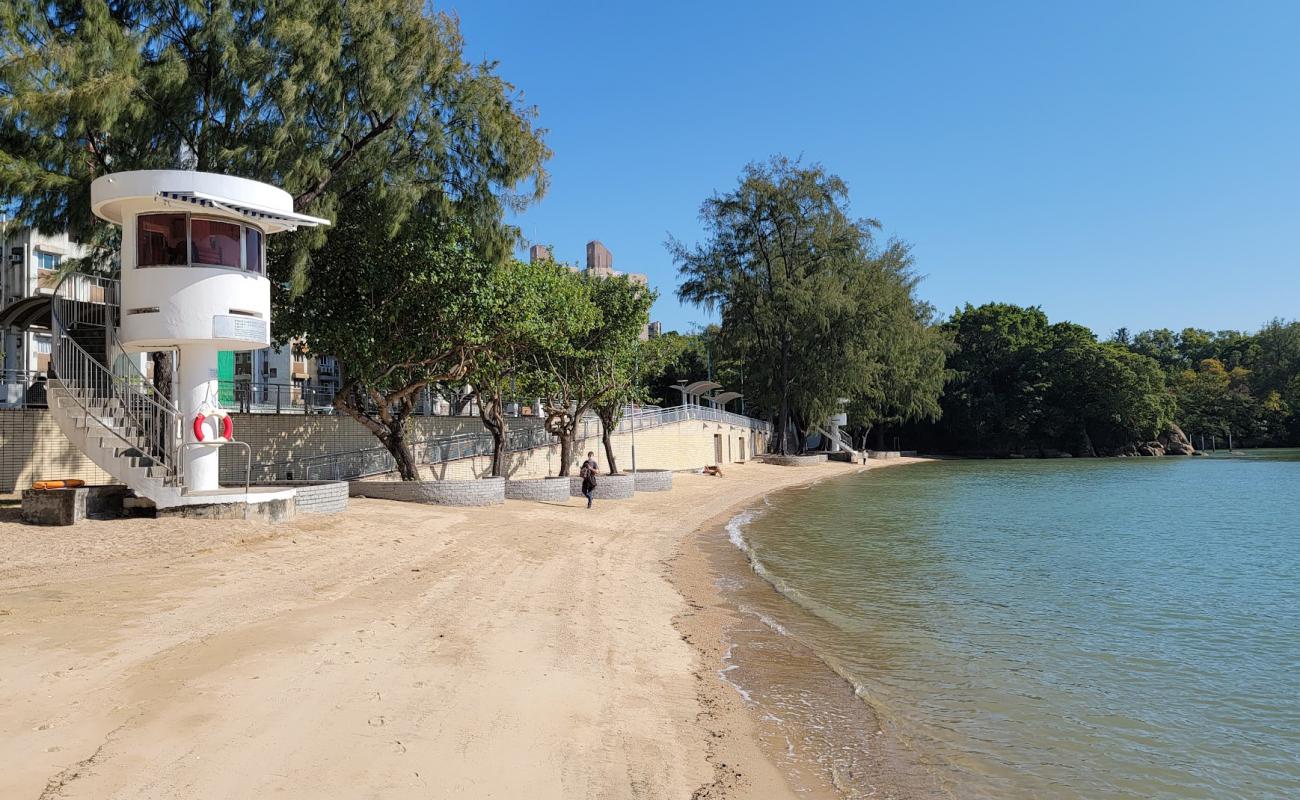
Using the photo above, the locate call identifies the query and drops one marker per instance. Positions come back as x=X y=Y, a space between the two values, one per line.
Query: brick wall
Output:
x=32 y=448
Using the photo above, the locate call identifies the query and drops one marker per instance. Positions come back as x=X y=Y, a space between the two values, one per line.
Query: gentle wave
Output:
x=1085 y=630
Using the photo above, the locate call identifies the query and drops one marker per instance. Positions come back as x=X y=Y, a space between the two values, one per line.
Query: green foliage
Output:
x=669 y=360
x=590 y=363
x=1231 y=382
x=400 y=314
x=328 y=100
x=810 y=305
x=534 y=308
x=1019 y=384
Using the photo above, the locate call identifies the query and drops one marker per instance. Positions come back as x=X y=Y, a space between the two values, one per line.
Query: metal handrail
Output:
x=157 y=427
x=248 y=457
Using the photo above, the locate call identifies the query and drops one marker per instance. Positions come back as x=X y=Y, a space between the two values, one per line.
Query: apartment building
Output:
x=600 y=264
x=29 y=269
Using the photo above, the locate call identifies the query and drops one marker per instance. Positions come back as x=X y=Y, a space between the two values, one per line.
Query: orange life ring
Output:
x=227 y=425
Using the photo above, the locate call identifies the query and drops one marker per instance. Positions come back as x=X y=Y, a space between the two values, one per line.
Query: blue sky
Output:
x=1133 y=163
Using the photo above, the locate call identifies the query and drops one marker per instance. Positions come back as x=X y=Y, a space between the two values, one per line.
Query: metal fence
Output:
x=21 y=388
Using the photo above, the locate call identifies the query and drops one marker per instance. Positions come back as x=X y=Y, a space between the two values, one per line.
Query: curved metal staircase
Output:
x=102 y=401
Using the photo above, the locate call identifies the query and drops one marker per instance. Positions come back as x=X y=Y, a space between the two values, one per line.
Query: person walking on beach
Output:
x=588 y=473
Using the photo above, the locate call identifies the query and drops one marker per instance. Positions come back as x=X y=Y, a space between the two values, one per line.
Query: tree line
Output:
x=818 y=318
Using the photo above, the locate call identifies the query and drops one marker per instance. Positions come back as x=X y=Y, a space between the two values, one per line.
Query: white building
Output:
x=193 y=282
x=31 y=261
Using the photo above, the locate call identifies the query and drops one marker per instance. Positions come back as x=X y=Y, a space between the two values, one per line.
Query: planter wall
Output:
x=608 y=487
x=795 y=461
x=477 y=492
x=316 y=497
x=653 y=480
x=544 y=490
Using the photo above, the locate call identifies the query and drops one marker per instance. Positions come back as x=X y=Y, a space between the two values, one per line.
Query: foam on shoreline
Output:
x=810 y=719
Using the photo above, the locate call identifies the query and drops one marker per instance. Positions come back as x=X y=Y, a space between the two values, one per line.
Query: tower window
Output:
x=161 y=240
x=214 y=243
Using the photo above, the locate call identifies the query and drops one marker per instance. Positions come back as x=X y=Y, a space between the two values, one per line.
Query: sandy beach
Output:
x=397 y=650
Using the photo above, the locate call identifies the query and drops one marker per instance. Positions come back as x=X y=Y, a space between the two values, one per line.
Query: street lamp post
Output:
x=636 y=370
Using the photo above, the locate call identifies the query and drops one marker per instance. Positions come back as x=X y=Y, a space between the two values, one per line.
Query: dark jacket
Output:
x=588 y=473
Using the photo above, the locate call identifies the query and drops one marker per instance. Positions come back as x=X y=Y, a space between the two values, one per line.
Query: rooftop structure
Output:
x=600 y=264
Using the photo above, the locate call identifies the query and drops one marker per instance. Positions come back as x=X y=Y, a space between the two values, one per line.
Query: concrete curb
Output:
x=478 y=492
x=542 y=490
x=315 y=497
x=795 y=461
x=608 y=487
x=653 y=480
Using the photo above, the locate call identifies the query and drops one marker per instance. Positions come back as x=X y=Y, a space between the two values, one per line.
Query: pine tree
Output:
x=328 y=100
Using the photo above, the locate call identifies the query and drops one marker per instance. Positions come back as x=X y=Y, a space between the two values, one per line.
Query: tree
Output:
x=586 y=367
x=993 y=400
x=400 y=314
x=1020 y=384
x=624 y=308
x=806 y=297
x=669 y=361
x=328 y=100
x=535 y=306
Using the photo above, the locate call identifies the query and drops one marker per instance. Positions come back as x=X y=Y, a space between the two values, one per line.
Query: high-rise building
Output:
x=600 y=261
x=600 y=264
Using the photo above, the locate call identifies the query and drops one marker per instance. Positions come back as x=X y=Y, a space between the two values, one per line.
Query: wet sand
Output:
x=397 y=650
x=826 y=741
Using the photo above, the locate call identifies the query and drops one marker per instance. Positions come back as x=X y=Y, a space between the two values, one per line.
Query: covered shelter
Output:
x=722 y=398
x=697 y=391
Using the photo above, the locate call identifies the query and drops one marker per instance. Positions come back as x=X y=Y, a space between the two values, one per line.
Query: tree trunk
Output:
x=396 y=444
x=566 y=451
x=607 y=423
x=162 y=372
x=783 y=432
x=389 y=429
x=458 y=407
x=494 y=419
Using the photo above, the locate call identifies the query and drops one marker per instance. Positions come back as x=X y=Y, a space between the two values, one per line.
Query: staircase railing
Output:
x=84 y=302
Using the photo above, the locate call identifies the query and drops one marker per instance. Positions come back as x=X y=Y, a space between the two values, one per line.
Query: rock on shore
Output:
x=1172 y=442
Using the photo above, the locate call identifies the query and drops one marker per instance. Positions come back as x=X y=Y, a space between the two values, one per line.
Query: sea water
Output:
x=1124 y=628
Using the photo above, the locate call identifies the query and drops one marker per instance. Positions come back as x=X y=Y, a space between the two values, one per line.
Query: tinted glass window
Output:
x=214 y=243
x=253 y=242
x=160 y=240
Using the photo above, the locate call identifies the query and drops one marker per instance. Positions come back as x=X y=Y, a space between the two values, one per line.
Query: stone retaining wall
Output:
x=273 y=511
x=883 y=454
x=316 y=497
x=475 y=492
x=795 y=461
x=545 y=490
x=653 y=480
x=608 y=487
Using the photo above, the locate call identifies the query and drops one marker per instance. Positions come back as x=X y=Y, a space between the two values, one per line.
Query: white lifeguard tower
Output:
x=193 y=281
